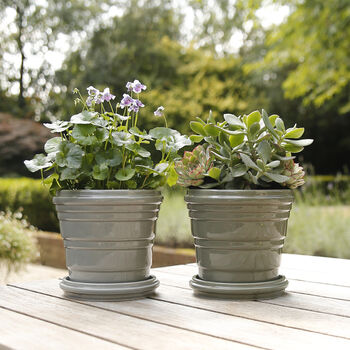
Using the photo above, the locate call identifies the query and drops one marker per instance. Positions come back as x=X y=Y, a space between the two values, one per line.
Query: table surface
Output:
x=313 y=314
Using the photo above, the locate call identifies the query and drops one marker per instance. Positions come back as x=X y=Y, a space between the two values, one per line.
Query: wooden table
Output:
x=314 y=314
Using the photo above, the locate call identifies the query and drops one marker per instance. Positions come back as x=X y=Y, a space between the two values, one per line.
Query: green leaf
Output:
x=69 y=155
x=300 y=143
x=294 y=133
x=268 y=124
x=274 y=164
x=51 y=145
x=58 y=126
x=84 y=134
x=85 y=117
x=198 y=128
x=196 y=138
x=161 y=133
x=40 y=161
x=49 y=179
x=125 y=174
x=254 y=129
x=233 y=120
x=122 y=138
x=211 y=118
x=211 y=130
x=214 y=173
x=264 y=150
x=69 y=174
x=172 y=176
x=253 y=117
x=230 y=132
x=292 y=148
x=277 y=177
x=273 y=118
x=248 y=162
x=101 y=134
x=239 y=170
x=111 y=157
x=138 y=150
x=131 y=184
x=236 y=140
x=260 y=164
x=100 y=172
x=280 y=125
x=142 y=134
x=161 y=167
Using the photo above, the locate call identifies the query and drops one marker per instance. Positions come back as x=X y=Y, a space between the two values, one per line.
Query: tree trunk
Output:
x=21 y=100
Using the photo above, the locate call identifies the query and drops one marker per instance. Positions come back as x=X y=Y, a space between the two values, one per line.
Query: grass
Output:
x=313 y=229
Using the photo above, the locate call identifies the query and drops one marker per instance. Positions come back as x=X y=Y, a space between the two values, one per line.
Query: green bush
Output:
x=32 y=199
x=17 y=246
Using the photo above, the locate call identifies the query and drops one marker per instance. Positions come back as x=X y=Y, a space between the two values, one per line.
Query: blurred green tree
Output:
x=36 y=28
x=314 y=43
x=144 y=44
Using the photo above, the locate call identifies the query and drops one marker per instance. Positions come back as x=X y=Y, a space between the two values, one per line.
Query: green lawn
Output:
x=313 y=230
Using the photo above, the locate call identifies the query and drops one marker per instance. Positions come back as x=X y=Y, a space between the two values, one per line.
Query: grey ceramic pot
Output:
x=108 y=236
x=238 y=236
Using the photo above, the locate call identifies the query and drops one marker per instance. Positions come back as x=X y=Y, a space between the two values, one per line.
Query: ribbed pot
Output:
x=238 y=234
x=108 y=234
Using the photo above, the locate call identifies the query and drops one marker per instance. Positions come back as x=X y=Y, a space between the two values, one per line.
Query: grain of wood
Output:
x=301 y=301
x=125 y=330
x=220 y=317
x=295 y=286
x=22 y=332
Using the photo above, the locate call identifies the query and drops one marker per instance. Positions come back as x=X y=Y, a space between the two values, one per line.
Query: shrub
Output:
x=32 y=199
x=17 y=245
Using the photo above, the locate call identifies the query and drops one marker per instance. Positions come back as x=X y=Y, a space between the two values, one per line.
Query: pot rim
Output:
x=233 y=191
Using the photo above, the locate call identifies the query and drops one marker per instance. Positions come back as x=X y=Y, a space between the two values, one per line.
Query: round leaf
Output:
x=125 y=174
x=52 y=145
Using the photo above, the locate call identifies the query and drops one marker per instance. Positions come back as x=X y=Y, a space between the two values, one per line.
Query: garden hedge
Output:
x=32 y=199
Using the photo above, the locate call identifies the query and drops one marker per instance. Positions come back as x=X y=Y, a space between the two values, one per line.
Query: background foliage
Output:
x=196 y=56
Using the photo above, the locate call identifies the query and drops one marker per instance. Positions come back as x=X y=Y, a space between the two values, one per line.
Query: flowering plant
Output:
x=247 y=152
x=103 y=148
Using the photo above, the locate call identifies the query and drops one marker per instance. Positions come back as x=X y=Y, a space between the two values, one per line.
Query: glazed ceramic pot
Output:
x=239 y=236
x=108 y=237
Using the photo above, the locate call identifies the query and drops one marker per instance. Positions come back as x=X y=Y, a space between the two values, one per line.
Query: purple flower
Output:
x=89 y=101
x=135 y=106
x=137 y=87
x=129 y=86
x=92 y=91
x=159 y=112
x=98 y=98
x=126 y=101
x=138 y=103
x=107 y=96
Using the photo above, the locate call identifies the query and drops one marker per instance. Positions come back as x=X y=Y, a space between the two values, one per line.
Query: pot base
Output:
x=247 y=291
x=109 y=291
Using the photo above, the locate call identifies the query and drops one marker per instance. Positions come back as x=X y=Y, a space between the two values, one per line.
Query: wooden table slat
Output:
x=123 y=329
x=217 y=318
x=314 y=314
x=23 y=332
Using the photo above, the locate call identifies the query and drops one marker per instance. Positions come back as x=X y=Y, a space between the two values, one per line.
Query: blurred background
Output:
x=290 y=57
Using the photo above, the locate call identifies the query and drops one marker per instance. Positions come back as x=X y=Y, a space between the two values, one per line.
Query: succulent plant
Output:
x=248 y=152
x=193 y=167
x=296 y=173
